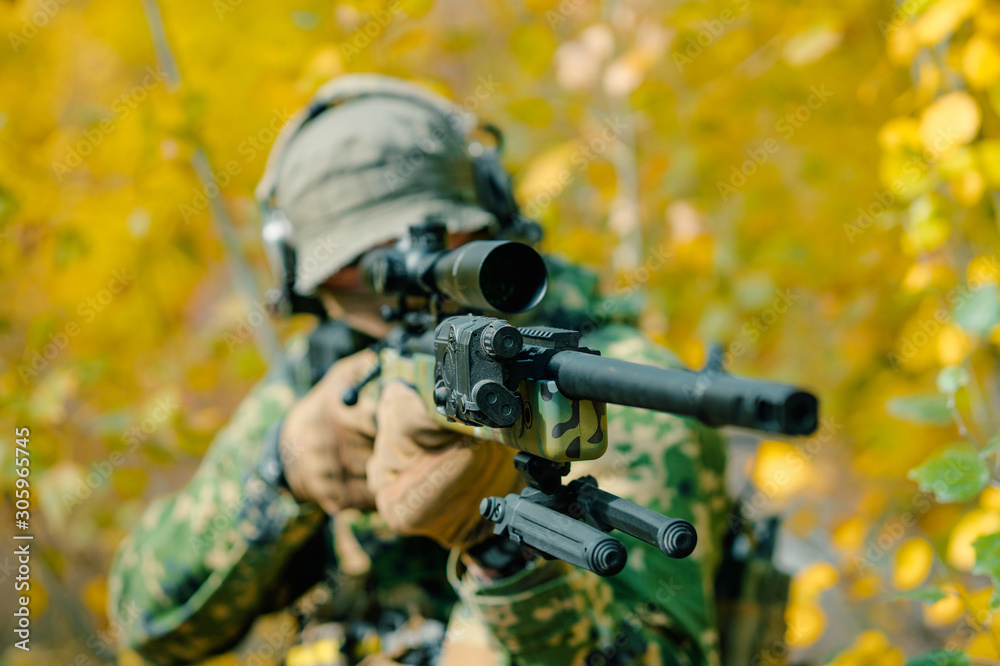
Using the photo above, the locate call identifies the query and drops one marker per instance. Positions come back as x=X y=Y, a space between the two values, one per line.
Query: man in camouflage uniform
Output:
x=245 y=538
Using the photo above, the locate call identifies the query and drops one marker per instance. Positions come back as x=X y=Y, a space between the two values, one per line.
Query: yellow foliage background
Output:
x=814 y=185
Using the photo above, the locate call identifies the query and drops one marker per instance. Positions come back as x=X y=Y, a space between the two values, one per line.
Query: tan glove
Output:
x=325 y=444
x=429 y=481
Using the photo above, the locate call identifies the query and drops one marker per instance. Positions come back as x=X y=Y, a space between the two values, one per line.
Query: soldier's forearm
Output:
x=200 y=565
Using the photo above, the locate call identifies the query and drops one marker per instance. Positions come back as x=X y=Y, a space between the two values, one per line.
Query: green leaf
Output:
x=920 y=408
x=995 y=600
x=980 y=312
x=928 y=595
x=940 y=658
x=952 y=378
x=954 y=474
x=988 y=556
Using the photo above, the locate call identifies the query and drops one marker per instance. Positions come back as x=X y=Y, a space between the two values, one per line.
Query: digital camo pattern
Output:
x=202 y=564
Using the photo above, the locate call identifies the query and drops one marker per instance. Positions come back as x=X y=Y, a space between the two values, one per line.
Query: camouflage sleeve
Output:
x=202 y=563
x=659 y=610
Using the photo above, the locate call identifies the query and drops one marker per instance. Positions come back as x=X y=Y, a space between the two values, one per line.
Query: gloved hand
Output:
x=325 y=444
x=429 y=481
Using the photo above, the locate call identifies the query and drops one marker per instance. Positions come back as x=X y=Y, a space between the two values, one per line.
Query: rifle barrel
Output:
x=714 y=397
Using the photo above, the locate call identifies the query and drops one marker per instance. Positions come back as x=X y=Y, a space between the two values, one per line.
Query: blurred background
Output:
x=812 y=185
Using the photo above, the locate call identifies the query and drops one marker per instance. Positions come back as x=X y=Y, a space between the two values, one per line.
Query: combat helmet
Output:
x=370 y=156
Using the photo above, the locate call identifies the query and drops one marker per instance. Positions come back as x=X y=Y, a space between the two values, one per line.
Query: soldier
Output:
x=300 y=491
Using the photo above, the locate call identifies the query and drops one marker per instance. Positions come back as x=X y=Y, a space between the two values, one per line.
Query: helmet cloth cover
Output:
x=370 y=157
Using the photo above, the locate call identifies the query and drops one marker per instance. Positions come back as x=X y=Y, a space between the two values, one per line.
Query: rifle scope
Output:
x=498 y=276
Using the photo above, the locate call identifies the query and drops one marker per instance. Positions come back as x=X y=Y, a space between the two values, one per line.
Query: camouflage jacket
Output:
x=203 y=564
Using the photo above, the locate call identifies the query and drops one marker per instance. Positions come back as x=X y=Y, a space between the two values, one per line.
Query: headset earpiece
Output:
x=276 y=233
x=495 y=190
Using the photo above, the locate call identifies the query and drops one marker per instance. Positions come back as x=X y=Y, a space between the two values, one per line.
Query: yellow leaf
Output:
x=968 y=187
x=902 y=45
x=976 y=523
x=602 y=175
x=870 y=648
x=129 y=482
x=324 y=64
x=907 y=175
x=95 y=595
x=983 y=269
x=545 y=176
x=811 y=581
x=978 y=604
x=956 y=162
x=533 y=45
x=990 y=499
x=39 y=598
x=803 y=522
x=981 y=62
x=540 y=6
x=913 y=563
x=944 y=611
x=941 y=19
x=805 y=624
x=988 y=152
x=865 y=587
x=953 y=345
x=899 y=133
x=928 y=82
x=926 y=233
x=780 y=470
x=812 y=45
x=987 y=19
x=918 y=277
x=983 y=645
x=952 y=120
x=416 y=8
x=850 y=534
x=533 y=111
